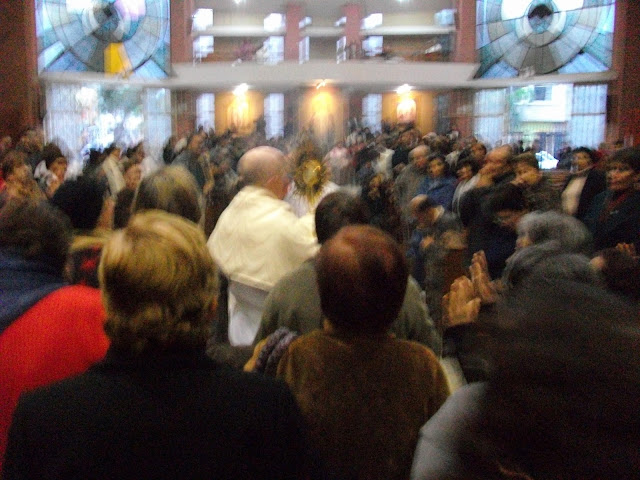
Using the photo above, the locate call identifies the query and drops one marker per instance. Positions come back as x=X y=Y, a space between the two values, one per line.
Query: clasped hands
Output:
x=462 y=304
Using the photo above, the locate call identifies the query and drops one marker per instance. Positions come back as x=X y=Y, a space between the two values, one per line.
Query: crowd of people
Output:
x=400 y=306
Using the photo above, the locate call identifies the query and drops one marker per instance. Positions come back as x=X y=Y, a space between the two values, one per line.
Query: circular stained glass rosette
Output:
x=537 y=37
x=73 y=35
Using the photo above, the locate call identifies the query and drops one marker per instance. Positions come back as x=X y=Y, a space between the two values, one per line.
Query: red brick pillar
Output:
x=292 y=33
x=19 y=92
x=184 y=112
x=465 y=44
x=181 y=41
x=353 y=13
x=624 y=94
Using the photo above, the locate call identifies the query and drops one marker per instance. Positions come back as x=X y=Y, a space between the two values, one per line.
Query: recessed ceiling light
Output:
x=240 y=89
x=402 y=89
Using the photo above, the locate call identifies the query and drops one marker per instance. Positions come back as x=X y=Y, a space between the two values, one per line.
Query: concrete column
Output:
x=353 y=14
x=465 y=43
x=181 y=41
x=292 y=36
x=624 y=94
x=19 y=94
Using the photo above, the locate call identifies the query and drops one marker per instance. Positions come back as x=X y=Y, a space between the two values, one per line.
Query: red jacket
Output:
x=60 y=336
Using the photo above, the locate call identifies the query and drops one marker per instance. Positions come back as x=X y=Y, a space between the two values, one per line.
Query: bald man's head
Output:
x=362 y=278
x=498 y=160
x=265 y=167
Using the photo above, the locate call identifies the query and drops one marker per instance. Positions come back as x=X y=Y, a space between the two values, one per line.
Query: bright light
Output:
x=273 y=22
x=402 y=89
x=240 y=89
x=372 y=21
x=202 y=19
x=321 y=84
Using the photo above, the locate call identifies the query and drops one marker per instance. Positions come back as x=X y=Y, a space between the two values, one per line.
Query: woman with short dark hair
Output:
x=614 y=216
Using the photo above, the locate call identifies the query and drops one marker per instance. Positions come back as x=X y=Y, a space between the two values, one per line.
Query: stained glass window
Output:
x=79 y=35
x=515 y=37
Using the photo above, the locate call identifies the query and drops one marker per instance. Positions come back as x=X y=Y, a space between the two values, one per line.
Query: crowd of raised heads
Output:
x=390 y=306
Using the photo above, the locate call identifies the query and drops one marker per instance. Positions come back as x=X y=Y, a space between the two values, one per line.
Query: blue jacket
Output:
x=440 y=190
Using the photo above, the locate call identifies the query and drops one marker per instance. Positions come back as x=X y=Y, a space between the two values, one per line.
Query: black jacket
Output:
x=619 y=225
x=595 y=183
x=176 y=415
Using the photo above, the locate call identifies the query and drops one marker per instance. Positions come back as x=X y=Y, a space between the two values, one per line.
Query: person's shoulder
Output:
x=73 y=298
x=289 y=286
x=312 y=342
x=306 y=271
x=450 y=181
x=597 y=175
x=61 y=396
x=251 y=388
x=416 y=352
x=449 y=218
x=599 y=199
x=632 y=202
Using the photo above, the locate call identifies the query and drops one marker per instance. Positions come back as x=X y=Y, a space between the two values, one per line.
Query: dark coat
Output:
x=497 y=242
x=620 y=225
x=175 y=415
x=595 y=183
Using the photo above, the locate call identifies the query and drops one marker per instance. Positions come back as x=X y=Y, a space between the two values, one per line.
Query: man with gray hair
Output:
x=258 y=239
x=411 y=177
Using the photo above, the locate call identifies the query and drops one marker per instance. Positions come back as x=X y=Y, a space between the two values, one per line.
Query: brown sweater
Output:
x=364 y=398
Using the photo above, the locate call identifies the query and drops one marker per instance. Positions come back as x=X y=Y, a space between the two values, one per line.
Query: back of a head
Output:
x=562 y=397
x=172 y=189
x=506 y=197
x=337 y=210
x=158 y=282
x=35 y=231
x=547 y=261
x=81 y=200
x=362 y=278
x=260 y=164
x=569 y=233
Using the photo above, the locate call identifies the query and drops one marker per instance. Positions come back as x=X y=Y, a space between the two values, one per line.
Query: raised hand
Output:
x=461 y=305
x=484 y=288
